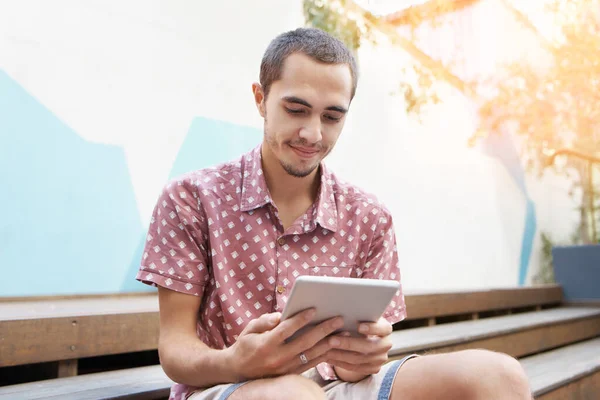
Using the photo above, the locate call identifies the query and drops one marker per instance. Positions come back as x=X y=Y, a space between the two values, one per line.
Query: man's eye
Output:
x=332 y=118
x=294 y=111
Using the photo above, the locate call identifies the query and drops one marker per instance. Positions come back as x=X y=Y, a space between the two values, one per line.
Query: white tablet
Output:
x=355 y=299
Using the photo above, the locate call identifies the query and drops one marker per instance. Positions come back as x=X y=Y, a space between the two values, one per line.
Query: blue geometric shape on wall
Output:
x=207 y=143
x=528 y=238
x=500 y=146
x=70 y=221
x=210 y=142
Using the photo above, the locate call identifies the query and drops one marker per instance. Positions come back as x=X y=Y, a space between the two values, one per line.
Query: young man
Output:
x=226 y=244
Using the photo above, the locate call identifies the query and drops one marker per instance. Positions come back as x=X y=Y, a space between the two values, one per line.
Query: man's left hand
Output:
x=355 y=358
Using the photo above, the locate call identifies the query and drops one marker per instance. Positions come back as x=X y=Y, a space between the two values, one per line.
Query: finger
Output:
x=315 y=354
x=370 y=345
x=380 y=328
x=287 y=328
x=311 y=364
x=366 y=369
x=315 y=335
x=318 y=350
x=351 y=357
x=263 y=323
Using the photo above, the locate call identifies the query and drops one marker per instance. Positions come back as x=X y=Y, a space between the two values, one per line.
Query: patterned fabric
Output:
x=215 y=233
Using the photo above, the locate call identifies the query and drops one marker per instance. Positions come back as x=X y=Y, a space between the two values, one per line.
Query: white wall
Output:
x=136 y=73
x=460 y=215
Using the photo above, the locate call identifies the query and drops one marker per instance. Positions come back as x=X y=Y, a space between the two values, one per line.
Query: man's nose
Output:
x=311 y=132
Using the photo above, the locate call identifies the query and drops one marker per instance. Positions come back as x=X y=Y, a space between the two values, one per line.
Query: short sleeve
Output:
x=382 y=263
x=175 y=254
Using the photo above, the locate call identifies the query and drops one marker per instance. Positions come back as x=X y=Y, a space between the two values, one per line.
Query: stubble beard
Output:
x=288 y=167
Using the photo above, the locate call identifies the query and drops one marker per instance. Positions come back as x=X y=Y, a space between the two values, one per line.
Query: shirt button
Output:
x=281 y=241
x=280 y=289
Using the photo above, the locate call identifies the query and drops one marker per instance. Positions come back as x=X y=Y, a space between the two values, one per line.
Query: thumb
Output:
x=263 y=323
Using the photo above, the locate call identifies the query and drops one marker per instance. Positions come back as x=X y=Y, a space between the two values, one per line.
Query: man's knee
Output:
x=497 y=374
x=298 y=387
x=467 y=374
x=287 y=386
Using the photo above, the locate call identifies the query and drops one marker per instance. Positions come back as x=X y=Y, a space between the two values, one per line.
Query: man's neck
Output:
x=287 y=190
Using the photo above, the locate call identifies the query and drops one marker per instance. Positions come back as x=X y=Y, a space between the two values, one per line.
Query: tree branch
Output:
x=428 y=10
x=526 y=22
x=436 y=67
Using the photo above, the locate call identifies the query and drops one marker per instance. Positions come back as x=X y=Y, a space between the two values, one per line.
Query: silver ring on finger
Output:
x=303 y=358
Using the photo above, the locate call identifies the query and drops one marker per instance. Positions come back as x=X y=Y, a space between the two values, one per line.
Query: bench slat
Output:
x=446 y=335
x=427 y=305
x=38 y=309
x=28 y=341
x=142 y=382
x=554 y=369
x=419 y=304
x=87 y=327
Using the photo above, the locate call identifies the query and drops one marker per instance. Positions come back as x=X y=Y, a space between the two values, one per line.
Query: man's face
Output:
x=305 y=112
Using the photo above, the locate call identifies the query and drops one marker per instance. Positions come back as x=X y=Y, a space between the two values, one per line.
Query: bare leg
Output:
x=284 y=387
x=465 y=375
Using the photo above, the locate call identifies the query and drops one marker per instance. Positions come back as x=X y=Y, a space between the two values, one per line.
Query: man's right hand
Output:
x=261 y=350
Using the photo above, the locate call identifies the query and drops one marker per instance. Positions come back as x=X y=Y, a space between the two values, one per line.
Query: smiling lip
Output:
x=304 y=153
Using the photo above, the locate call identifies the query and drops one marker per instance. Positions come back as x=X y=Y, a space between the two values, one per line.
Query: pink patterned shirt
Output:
x=215 y=233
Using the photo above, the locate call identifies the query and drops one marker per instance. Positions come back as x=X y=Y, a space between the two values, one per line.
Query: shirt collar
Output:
x=326 y=208
x=255 y=193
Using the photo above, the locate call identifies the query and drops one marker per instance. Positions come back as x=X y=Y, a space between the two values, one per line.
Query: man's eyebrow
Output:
x=297 y=100
x=339 y=109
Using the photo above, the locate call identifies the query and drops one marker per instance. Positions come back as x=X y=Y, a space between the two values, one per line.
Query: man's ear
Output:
x=259 y=98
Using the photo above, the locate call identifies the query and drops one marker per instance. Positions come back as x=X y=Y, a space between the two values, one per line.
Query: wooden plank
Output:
x=25 y=341
x=124 y=324
x=96 y=296
x=547 y=374
x=419 y=305
x=143 y=383
x=557 y=368
x=582 y=303
x=427 y=305
x=587 y=387
x=517 y=334
x=10 y=311
x=530 y=341
x=67 y=368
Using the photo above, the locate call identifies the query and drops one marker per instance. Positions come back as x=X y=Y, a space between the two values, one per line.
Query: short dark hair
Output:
x=312 y=42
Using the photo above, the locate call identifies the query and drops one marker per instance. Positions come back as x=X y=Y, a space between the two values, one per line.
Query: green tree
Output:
x=554 y=105
x=333 y=17
x=551 y=107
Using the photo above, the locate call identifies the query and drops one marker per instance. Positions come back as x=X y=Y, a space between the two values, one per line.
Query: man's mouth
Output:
x=305 y=152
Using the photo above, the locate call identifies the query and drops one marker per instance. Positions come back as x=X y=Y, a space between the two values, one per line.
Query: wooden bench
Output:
x=520 y=334
x=135 y=383
x=571 y=372
x=90 y=326
x=67 y=329
x=428 y=305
